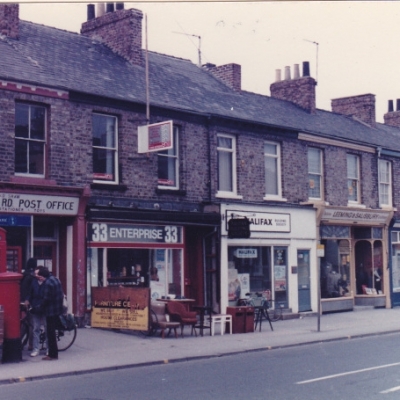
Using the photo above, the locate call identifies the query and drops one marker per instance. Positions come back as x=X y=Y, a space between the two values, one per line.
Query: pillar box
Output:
x=10 y=299
x=3 y=250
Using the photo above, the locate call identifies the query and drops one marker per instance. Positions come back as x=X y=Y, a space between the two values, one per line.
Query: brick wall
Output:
x=361 y=107
x=120 y=30
x=299 y=91
x=9 y=20
x=230 y=74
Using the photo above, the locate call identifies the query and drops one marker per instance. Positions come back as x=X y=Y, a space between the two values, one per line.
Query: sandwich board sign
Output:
x=155 y=137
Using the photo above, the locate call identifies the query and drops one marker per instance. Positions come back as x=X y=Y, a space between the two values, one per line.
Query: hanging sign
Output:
x=155 y=137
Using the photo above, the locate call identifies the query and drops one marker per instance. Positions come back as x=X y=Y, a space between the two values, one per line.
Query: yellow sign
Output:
x=120 y=308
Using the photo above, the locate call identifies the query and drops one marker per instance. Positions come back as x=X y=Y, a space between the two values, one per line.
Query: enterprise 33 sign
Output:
x=262 y=222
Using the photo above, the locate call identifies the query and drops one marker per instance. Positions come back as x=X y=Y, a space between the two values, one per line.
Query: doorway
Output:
x=303 y=274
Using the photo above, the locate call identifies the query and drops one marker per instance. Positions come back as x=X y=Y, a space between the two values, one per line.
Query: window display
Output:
x=257 y=269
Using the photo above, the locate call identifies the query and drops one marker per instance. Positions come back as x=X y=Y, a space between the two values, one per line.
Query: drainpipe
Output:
x=209 y=158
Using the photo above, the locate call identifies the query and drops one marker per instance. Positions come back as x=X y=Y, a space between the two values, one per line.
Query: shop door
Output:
x=303 y=274
x=396 y=276
x=45 y=254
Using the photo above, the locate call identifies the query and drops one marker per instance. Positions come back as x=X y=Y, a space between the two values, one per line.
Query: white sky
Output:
x=358 y=42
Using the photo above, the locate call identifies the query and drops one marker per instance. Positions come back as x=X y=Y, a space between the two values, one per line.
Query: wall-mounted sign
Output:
x=15 y=220
x=262 y=222
x=37 y=204
x=120 y=308
x=125 y=233
x=367 y=217
x=155 y=137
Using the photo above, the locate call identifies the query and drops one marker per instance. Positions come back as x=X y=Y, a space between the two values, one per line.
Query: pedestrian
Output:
x=25 y=287
x=37 y=317
x=52 y=306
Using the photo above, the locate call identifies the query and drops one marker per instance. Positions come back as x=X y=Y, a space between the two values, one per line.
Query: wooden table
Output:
x=185 y=302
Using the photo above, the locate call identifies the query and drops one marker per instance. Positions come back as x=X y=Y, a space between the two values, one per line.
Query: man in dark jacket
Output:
x=52 y=306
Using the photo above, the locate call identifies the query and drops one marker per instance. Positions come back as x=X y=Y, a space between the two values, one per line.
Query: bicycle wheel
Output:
x=24 y=331
x=65 y=339
x=153 y=323
x=274 y=311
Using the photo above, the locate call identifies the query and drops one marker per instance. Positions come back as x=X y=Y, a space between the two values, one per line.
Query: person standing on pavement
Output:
x=37 y=317
x=52 y=306
x=25 y=288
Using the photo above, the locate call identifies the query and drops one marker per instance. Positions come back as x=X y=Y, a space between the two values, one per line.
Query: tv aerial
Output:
x=198 y=47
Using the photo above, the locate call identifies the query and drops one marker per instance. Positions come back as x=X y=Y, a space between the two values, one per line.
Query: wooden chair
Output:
x=178 y=313
x=162 y=321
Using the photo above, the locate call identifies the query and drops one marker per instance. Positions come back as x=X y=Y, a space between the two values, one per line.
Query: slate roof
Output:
x=55 y=58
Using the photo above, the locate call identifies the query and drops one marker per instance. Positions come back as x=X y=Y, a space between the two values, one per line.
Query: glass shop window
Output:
x=254 y=269
x=335 y=269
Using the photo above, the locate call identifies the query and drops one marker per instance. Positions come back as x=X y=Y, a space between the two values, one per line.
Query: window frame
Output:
x=356 y=179
x=175 y=157
x=387 y=184
x=30 y=140
x=232 y=151
x=114 y=149
x=278 y=158
x=319 y=175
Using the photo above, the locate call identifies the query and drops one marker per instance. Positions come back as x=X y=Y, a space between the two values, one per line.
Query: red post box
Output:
x=9 y=299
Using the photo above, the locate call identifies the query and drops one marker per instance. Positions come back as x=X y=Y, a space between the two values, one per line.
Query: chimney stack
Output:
x=299 y=90
x=230 y=74
x=9 y=20
x=392 y=118
x=361 y=107
x=120 y=30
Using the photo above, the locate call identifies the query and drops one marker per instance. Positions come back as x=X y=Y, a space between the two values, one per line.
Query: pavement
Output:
x=101 y=350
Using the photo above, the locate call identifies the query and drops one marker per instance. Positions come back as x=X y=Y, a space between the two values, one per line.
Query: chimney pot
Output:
x=90 y=12
x=119 y=6
x=278 y=75
x=110 y=7
x=287 y=73
x=100 y=9
x=390 y=106
x=398 y=105
x=306 y=68
x=296 y=71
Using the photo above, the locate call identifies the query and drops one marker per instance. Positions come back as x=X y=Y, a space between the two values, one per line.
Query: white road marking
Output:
x=322 y=378
x=394 y=389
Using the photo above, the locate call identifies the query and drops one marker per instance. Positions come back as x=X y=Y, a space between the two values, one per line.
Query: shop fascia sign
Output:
x=37 y=204
x=262 y=221
x=245 y=253
x=367 y=217
x=101 y=232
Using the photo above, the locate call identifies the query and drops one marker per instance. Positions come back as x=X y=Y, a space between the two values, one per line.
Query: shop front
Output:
x=394 y=259
x=277 y=260
x=161 y=251
x=354 y=268
x=44 y=223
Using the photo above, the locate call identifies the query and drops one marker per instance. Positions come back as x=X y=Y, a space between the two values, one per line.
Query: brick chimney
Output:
x=9 y=20
x=230 y=74
x=361 y=107
x=120 y=30
x=299 y=90
x=392 y=118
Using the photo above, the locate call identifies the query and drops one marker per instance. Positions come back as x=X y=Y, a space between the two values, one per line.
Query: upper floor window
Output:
x=353 y=178
x=168 y=165
x=226 y=148
x=30 y=139
x=272 y=165
x=314 y=157
x=385 y=183
x=105 y=144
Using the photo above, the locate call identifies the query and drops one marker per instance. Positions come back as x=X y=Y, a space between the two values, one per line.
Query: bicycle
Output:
x=65 y=337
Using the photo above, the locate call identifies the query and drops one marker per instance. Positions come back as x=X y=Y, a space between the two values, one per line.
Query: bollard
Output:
x=10 y=300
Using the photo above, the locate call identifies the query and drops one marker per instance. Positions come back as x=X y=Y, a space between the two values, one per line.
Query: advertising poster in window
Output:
x=233 y=285
x=244 y=280
x=120 y=308
x=280 y=277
